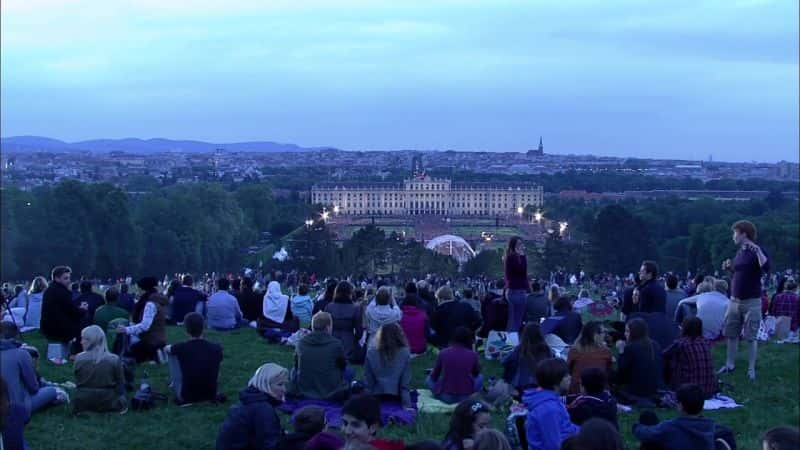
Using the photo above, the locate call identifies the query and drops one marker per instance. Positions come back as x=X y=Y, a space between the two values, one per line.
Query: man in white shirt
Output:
x=712 y=303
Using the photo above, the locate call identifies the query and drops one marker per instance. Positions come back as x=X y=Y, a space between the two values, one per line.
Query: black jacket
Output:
x=652 y=297
x=449 y=316
x=61 y=319
x=586 y=407
x=640 y=369
x=253 y=424
x=93 y=299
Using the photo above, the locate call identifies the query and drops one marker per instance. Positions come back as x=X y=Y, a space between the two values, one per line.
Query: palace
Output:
x=423 y=195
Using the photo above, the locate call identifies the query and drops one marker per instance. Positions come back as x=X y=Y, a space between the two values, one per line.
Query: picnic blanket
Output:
x=427 y=403
x=391 y=411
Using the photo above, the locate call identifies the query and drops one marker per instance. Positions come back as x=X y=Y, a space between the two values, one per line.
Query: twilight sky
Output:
x=677 y=78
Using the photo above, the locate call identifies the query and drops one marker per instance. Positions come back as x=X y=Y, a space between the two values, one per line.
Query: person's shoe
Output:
x=751 y=374
x=726 y=369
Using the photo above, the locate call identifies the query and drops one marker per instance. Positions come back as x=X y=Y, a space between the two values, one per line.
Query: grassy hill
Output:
x=771 y=401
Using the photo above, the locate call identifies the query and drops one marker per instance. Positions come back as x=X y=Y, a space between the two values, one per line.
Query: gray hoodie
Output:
x=16 y=368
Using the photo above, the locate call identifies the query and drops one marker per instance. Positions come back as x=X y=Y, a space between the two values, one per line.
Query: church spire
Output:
x=541 y=146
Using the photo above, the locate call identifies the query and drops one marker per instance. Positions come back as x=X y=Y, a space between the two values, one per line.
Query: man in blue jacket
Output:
x=687 y=431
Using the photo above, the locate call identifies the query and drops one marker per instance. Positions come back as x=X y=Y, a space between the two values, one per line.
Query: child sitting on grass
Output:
x=361 y=420
x=308 y=422
x=595 y=400
x=689 y=430
x=548 y=423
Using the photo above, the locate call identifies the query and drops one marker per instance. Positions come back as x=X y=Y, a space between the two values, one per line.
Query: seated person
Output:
x=711 y=304
x=449 y=315
x=150 y=322
x=564 y=323
x=457 y=372
x=254 y=423
x=382 y=311
x=537 y=306
x=639 y=374
x=784 y=304
x=468 y=419
x=690 y=430
x=689 y=359
x=595 y=434
x=589 y=351
x=91 y=299
x=387 y=369
x=361 y=420
x=307 y=422
x=547 y=423
x=185 y=299
x=302 y=306
x=320 y=369
x=98 y=375
x=519 y=367
x=781 y=438
x=13 y=418
x=494 y=310
x=415 y=324
x=594 y=400
x=223 y=309
x=109 y=311
x=18 y=371
x=194 y=364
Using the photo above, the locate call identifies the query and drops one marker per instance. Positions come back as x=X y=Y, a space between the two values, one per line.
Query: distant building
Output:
x=538 y=151
x=423 y=195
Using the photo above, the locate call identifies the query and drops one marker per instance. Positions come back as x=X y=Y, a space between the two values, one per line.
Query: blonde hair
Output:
x=490 y=439
x=444 y=293
x=266 y=375
x=96 y=346
x=39 y=284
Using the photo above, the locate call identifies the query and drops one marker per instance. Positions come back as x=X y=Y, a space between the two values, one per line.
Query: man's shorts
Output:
x=743 y=318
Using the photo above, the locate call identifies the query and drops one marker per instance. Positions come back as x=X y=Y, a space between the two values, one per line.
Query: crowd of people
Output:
x=570 y=374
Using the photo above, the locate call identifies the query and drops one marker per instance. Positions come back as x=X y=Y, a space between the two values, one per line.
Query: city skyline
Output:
x=678 y=80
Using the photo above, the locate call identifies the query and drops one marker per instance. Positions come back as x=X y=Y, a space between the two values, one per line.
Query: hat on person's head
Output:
x=147 y=283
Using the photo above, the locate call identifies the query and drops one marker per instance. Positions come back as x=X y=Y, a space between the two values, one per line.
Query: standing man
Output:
x=61 y=318
x=652 y=296
x=744 y=311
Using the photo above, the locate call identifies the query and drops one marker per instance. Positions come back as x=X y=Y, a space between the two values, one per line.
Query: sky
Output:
x=655 y=79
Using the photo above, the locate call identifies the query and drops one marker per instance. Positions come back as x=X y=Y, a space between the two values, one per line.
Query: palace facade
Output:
x=423 y=195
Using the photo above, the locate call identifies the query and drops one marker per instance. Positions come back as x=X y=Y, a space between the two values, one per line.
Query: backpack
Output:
x=145 y=399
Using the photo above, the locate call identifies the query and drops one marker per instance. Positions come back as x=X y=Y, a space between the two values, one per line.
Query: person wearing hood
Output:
x=19 y=373
x=320 y=368
x=149 y=316
x=98 y=375
x=254 y=424
x=275 y=307
x=689 y=430
x=548 y=423
x=382 y=311
x=594 y=400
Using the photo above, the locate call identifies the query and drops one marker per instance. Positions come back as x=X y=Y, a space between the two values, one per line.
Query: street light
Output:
x=562 y=227
x=336 y=209
x=309 y=222
x=538 y=216
x=520 y=210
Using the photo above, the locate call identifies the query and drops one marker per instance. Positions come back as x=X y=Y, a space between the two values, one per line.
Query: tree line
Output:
x=101 y=230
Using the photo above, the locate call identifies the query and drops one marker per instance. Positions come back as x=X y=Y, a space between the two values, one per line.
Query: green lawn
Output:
x=772 y=401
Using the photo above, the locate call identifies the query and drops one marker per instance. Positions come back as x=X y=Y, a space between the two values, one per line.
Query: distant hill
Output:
x=135 y=145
